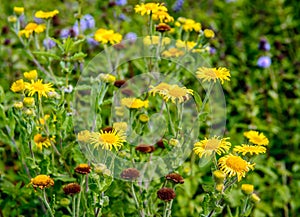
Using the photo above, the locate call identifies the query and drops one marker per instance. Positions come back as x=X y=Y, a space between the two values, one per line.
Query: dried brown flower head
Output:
x=175 y=177
x=119 y=83
x=145 y=148
x=71 y=188
x=83 y=169
x=130 y=174
x=166 y=194
x=162 y=27
x=107 y=129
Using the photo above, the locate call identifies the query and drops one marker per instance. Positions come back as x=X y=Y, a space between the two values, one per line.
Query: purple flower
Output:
x=264 y=62
x=64 y=33
x=92 y=42
x=122 y=17
x=178 y=5
x=86 y=22
x=38 y=20
x=48 y=43
x=131 y=36
x=121 y=2
x=212 y=50
x=69 y=32
x=264 y=45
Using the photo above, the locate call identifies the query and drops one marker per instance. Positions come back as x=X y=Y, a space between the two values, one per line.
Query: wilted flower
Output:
x=83 y=169
x=130 y=174
x=175 y=177
x=71 y=188
x=166 y=194
x=144 y=148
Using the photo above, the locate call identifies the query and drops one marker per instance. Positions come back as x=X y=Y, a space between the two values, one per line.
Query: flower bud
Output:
x=247 y=189
x=219 y=176
x=254 y=198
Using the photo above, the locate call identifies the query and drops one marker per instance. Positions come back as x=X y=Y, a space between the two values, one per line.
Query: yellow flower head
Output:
x=28 y=101
x=18 y=86
x=108 y=139
x=149 y=8
x=144 y=118
x=46 y=15
x=188 y=25
x=31 y=75
x=18 y=105
x=120 y=126
x=107 y=78
x=219 y=176
x=207 y=147
x=39 y=88
x=134 y=103
x=173 y=92
x=42 y=181
x=249 y=149
x=84 y=136
x=19 y=10
x=41 y=141
x=105 y=36
x=83 y=169
x=32 y=27
x=256 y=137
x=247 y=189
x=209 y=74
x=173 y=142
x=254 y=198
x=12 y=19
x=153 y=40
x=162 y=16
x=208 y=33
x=234 y=166
x=172 y=52
x=188 y=45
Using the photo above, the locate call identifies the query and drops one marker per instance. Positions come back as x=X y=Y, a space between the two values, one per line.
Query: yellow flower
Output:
x=19 y=10
x=134 y=103
x=18 y=86
x=256 y=137
x=12 y=19
x=43 y=120
x=41 y=141
x=188 y=24
x=120 y=126
x=249 y=149
x=119 y=111
x=149 y=8
x=42 y=181
x=234 y=166
x=254 y=198
x=32 y=27
x=208 y=74
x=29 y=112
x=173 y=92
x=108 y=78
x=173 y=142
x=188 y=45
x=207 y=147
x=208 y=33
x=144 y=118
x=84 y=136
x=39 y=88
x=220 y=187
x=46 y=15
x=31 y=75
x=162 y=16
x=107 y=36
x=153 y=40
x=18 y=105
x=28 y=101
x=83 y=169
x=108 y=139
x=173 y=52
x=247 y=189
x=219 y=176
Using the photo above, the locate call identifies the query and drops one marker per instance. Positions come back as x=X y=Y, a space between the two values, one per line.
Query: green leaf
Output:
x=47 y=54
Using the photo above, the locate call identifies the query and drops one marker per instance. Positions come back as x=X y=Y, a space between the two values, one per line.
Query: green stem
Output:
x=244 y=209
x=166 y=209
x=47 y=204
x=170 y=209
x=74 y=206
x=79 y=196
x=170 y=120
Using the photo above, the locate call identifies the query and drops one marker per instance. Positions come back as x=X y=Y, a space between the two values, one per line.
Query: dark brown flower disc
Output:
x=119 y=83
x=175 y=177
x=160 y=144
x=162 y=27
x=107 y=129
x=83 y=169
x=130 y=174
x=166 y=194
x=72 y=188
x=145 y=148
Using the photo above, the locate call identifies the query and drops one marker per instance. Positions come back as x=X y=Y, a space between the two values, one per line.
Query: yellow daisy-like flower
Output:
x=208 y=33
x=188 y=45
x=149 y=8
x=234 y=166
x=105 y=36
x=42 y=181
x=173 y=92
x=41 y=141
x=207 y=147
x=107 y=78
x=31 y=75
x=172 y=52
x=188 y=25
x=162 y=16
x=18 y=86
x=108 y=139
x=84 y=136
x=28 y=101
x=19 y=10
x=39 y=88
x=134 y=103
x=249 y=149
x=208 y=74
x=46 y=15
x=32 y=27
x=153 y=40
x=256 y=137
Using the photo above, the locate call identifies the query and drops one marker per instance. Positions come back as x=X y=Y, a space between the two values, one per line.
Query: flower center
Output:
x=177 y=92
x=211 y=73
x=108 y=138
x=38 y=87
x=236 y=163
x=212 y=144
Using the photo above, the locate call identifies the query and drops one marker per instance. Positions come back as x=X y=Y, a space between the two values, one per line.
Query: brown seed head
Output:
x=166 y=194
x=145 y=148
x=71 y=188
x=130 y=174
x=107 y=129
x=119 y=83
x=175 y=177
x=83 y=169
x=160 y=144
x=162 y=27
